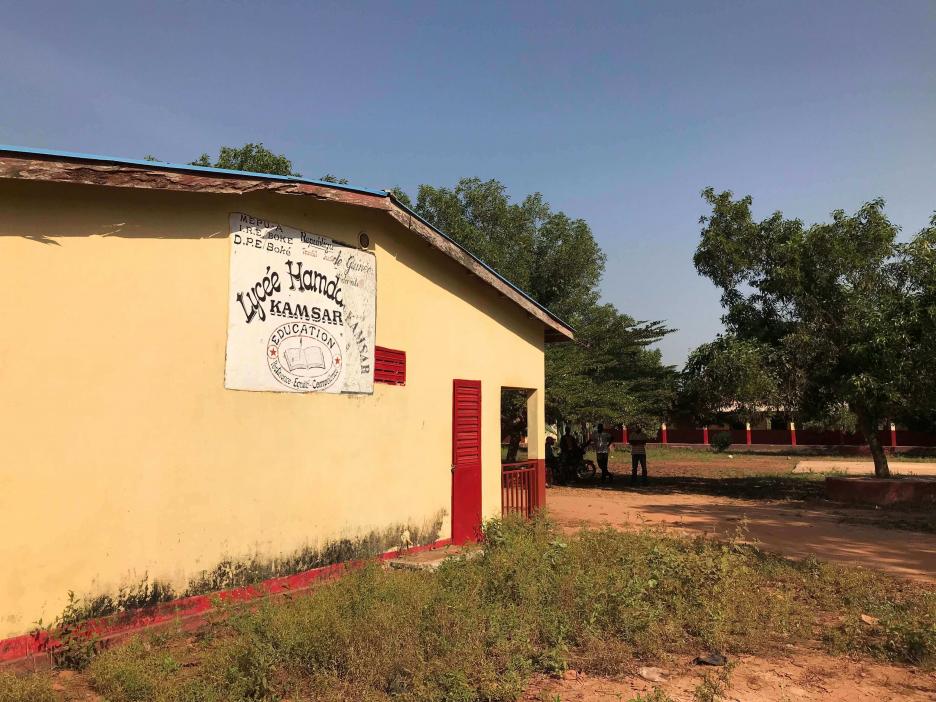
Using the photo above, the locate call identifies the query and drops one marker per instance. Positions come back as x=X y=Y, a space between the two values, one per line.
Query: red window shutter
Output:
x=389 y=366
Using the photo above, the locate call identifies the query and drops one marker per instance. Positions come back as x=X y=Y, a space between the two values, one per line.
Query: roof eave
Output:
x=69 y=167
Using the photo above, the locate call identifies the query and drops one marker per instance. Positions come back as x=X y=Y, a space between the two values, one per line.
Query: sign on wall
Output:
x=301 y=311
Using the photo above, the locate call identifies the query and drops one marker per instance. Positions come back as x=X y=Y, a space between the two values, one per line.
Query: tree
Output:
x=551 y=256
x=255 y=158
x=831 y=303
x=329 y=178
x=728 y=374
x=917 y=272
x=609 y=372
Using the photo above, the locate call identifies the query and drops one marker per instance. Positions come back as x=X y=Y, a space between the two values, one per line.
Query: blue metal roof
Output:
x=269 y=176
x=184 y=167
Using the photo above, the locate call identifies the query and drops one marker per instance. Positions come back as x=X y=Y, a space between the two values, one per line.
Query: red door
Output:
x=466 y=460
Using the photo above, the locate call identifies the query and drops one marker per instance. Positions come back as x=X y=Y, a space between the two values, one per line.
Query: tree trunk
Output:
x=881 y=469
x=513 y=447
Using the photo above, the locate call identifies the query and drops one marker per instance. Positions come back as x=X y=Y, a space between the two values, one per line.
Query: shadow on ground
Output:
x=756 y=487
x=784 y=513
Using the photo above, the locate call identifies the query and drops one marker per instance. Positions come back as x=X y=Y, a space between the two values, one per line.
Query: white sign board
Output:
x=301 y=311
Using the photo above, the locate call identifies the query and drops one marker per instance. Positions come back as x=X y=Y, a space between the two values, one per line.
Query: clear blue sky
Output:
x=619 y=113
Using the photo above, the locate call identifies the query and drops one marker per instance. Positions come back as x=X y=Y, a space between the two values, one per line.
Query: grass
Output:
x=25 y=688
x=714 y=685
x=536 y=601
x=657 y=695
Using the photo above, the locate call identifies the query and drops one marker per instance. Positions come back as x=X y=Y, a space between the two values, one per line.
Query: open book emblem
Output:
x=304 y=358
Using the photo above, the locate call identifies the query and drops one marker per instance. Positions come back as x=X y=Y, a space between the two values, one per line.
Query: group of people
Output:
x=564 y=463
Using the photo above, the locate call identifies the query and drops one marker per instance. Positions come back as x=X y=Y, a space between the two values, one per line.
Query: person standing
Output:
x=603 y=444
x=638 y=443
x=552 y=462
x=570 y=454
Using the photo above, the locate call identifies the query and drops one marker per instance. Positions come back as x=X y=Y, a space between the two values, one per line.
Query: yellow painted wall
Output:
x=121 y=453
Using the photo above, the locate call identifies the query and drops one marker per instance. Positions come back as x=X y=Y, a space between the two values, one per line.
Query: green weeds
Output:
x=78 y=642
x=714 y=685
x=25 y=688
x=536 y=601
x=232 y=573
x=658 y=695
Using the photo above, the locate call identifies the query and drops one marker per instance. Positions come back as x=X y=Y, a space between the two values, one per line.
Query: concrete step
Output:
x=430 y=560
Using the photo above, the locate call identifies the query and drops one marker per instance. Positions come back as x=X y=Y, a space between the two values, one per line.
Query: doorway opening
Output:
x=523 y=475
x=514 y=421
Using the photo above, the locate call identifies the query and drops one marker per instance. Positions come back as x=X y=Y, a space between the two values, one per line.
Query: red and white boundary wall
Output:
x=792 y=436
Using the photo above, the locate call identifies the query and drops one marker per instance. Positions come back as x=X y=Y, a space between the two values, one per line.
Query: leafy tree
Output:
x=329 y=178
x=610 y=372
x=401 y=196
x=255 y=158
x=916 y=271
x=832 y=303
x=728 y=374
x=549 y=255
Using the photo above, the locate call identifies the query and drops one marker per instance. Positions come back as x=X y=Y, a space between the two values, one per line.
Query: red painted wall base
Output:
x=190 y=611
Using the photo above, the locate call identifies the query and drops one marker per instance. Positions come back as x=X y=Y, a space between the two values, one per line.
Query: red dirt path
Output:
x=783 y=513
x=792 y=528
x=800 y=675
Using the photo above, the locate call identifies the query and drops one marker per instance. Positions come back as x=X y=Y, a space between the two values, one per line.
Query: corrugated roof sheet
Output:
x=183 y=167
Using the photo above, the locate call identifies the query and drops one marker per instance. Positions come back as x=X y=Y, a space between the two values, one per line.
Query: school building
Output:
x=209 y=374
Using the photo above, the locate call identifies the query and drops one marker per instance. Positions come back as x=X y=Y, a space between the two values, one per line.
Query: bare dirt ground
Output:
x=782 y=512
x=797 y=676
x=794 y=677
x=702 y=493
